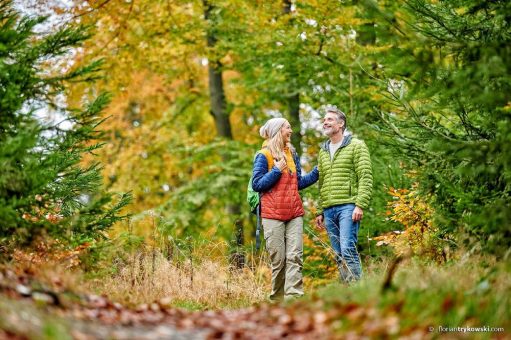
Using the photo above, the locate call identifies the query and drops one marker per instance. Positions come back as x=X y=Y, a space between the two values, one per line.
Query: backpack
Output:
x=254 y=198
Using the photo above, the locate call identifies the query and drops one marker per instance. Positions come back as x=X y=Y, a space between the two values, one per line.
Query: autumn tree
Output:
x=185 y=73
x=165 y=79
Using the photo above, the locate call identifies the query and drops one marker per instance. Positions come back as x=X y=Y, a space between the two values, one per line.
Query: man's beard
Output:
x=329 y=131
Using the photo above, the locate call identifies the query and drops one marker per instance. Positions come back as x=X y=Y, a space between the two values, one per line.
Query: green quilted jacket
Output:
x=348 y=177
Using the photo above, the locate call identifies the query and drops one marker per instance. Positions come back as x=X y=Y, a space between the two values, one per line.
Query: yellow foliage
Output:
x=419 y=236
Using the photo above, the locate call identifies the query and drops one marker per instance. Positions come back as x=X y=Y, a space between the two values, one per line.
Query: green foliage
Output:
x=448 y=90
x=313 y=52
x=431 y=78
x=43 y=185
x=215 y=175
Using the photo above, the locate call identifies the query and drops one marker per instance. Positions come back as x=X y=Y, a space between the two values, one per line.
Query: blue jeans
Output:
x=343 y=234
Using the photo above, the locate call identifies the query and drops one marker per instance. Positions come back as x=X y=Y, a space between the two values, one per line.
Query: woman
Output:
x=277 y=176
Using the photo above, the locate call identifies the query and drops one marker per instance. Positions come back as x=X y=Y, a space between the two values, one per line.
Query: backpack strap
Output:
x=258 y=227
x=269 y=158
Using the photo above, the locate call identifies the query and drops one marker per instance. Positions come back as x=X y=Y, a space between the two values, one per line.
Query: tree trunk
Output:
x=216 y=84
x=218 y=102
x=223 y=125
x=293 y=105
x=286 y=9
x=293 y=102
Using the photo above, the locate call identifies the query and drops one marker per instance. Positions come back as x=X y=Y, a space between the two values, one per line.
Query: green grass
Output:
x=189 y=305
x=468 y=293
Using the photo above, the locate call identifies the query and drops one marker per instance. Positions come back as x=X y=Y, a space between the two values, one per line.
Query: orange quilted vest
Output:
x=282 y=202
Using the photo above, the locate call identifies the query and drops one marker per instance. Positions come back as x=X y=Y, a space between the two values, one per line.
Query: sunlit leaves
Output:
x=420 y=236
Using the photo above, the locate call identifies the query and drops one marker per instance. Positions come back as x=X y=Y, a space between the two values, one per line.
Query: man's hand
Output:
x=358 y=213
x=319 y=222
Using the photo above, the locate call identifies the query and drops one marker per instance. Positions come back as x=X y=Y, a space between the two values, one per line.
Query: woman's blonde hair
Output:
x=276 y=145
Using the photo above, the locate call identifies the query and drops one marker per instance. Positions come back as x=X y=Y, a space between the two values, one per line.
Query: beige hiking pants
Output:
x=284 y=243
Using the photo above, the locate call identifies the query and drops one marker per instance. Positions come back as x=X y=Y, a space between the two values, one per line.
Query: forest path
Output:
x=30 y=310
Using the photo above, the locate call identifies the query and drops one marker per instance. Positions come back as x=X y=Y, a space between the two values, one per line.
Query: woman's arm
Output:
x=262 y=179
x=307 y=180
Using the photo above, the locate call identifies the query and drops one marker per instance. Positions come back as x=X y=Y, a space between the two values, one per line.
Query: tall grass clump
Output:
x=188 y=274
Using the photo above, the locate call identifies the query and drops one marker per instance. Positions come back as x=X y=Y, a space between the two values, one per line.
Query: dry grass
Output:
x=196 y=282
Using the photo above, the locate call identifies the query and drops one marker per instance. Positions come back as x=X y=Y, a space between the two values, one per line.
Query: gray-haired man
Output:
x=345 y=188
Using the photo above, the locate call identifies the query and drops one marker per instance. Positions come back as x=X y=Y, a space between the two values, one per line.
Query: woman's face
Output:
x=286 y=132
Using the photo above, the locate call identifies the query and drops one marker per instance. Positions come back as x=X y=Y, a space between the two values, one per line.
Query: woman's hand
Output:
x=281 y=164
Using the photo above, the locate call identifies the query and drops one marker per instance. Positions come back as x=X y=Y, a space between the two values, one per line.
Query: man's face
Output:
x=331 y=125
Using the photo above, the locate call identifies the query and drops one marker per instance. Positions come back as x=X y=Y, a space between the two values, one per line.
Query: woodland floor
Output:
x=30 y=308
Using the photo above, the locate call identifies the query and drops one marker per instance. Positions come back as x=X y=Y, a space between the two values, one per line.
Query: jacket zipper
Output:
x=332 y=160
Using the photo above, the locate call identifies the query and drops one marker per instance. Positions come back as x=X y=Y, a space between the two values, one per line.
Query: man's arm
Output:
x=365 y=175
x=308 y=179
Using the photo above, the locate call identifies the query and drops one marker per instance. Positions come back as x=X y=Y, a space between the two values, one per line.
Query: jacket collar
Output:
x=345 y=142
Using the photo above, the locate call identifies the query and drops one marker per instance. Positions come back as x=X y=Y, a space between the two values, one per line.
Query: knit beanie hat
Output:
x=271 y=127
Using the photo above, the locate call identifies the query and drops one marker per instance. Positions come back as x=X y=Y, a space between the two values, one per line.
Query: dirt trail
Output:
x=28 y=310
x=24 y=319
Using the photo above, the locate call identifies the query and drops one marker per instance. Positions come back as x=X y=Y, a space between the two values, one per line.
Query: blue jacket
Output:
x=263 y=180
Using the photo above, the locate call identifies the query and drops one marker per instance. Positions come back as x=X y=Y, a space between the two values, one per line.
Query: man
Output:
x=345 y=187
